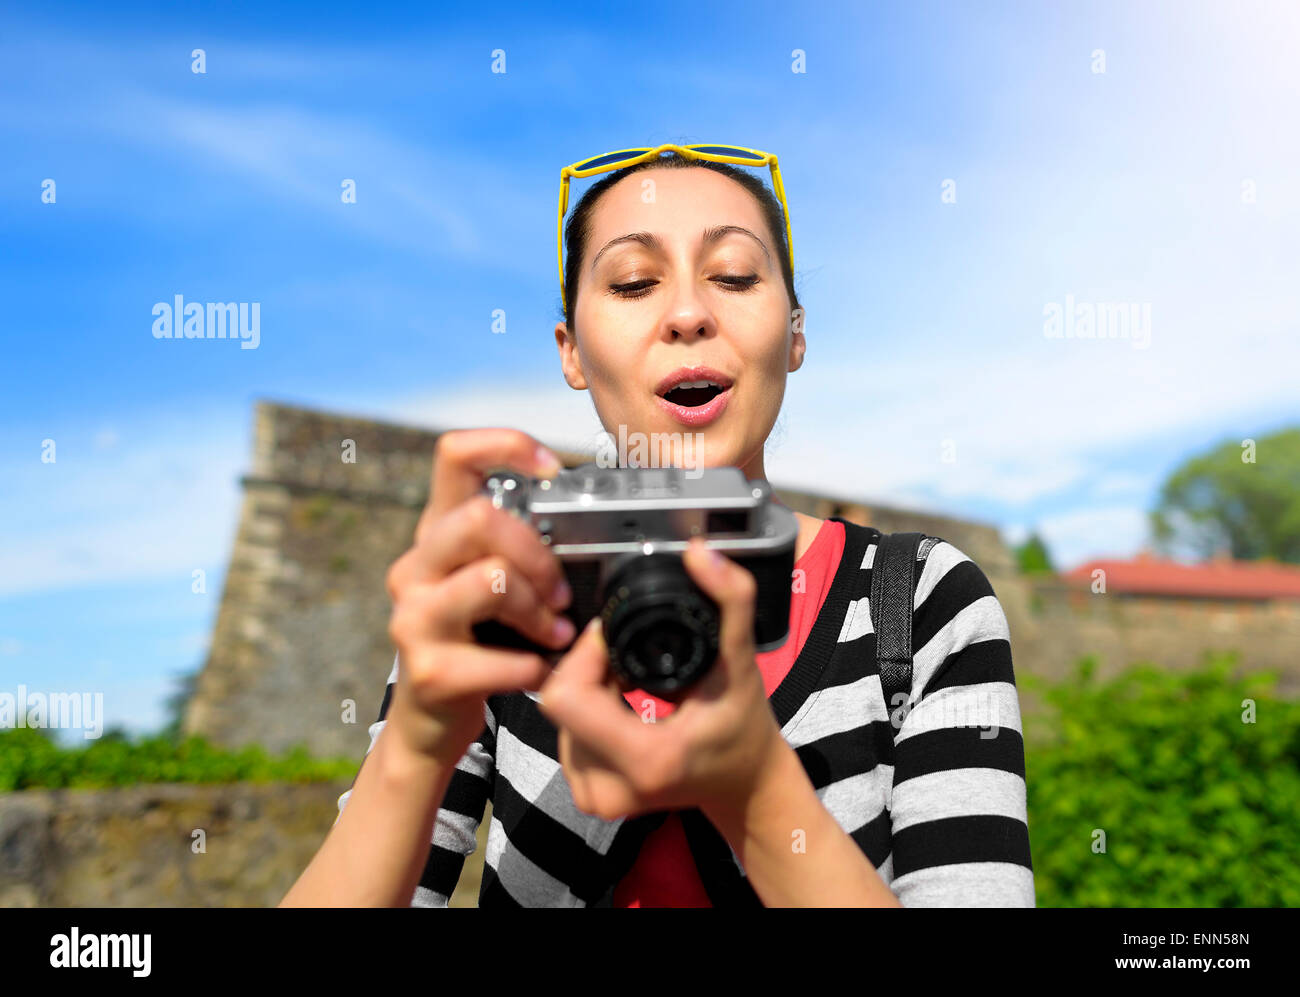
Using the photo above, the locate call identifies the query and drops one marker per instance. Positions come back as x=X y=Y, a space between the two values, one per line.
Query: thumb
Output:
x=583 y=665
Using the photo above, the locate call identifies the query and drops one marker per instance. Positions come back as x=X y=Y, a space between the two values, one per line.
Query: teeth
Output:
x=697 y=384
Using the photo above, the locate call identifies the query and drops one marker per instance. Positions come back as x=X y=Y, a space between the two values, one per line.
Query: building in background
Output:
x=1219 y=580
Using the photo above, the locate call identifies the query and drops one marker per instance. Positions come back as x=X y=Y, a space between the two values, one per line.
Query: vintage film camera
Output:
x=619 y=533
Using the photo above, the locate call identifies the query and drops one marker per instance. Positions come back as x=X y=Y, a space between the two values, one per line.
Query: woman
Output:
x=780 y=779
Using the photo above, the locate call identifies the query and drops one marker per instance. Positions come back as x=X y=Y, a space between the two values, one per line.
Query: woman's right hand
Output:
x=470 y=562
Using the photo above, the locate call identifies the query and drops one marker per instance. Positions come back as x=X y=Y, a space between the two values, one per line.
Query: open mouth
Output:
x=695 y=396
x=692 y=394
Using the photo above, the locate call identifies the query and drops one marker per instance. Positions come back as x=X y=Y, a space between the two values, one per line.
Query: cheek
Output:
x=611 y=376
x=771 y=355
x=605 y=349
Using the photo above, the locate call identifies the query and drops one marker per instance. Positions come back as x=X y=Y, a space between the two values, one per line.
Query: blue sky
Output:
x=925 y=318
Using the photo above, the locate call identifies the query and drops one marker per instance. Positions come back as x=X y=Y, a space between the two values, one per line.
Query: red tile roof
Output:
x=1217 y=579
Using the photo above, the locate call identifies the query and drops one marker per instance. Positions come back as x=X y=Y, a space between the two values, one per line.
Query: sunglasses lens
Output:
x=727 y=150
x=613 y=157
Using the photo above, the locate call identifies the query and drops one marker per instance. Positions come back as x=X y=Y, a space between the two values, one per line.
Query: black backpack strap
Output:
x=891 y=615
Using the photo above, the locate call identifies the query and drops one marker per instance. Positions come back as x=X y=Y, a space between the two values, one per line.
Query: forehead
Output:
x=674 y=202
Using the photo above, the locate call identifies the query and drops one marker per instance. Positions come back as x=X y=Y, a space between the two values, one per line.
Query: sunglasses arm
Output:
x=559 y=233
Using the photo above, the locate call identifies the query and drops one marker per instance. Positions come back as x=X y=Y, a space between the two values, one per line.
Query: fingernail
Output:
x=561 y=594
x=548 y=463
x=563 y=630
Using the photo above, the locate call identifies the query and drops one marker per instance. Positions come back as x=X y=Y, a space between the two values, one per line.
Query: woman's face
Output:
x=680 y=271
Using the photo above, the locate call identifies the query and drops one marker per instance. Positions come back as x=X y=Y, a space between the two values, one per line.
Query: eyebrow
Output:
x=653 y=243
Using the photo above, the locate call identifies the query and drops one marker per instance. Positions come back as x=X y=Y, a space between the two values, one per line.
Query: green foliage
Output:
x=1033 y=558
x=29 y=759
x=1198 y=806
x=1220 y=499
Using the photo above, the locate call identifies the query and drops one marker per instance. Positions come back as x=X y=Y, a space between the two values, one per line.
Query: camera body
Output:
x=619 y=533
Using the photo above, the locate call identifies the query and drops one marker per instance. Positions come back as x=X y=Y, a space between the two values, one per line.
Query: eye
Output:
x=635 y=289
x=640 y=288
x=733 y=283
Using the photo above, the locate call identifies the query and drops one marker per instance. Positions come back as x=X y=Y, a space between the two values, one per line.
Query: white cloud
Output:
x=1014 y=534
x=1123 y=483
x=551 y=412
x=159 y=504
x=1087 y=533
x=1030 y=426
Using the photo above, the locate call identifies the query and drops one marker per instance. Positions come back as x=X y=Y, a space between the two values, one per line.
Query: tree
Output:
x=1033 y=558
x=1241 y=495
x=178 y=701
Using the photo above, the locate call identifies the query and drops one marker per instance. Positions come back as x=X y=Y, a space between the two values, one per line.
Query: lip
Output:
x=700 y=415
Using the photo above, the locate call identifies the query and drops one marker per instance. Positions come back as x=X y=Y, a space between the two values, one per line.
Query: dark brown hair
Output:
x=578 y=227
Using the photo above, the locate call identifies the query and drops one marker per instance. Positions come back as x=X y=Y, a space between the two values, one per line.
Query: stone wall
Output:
x=134 y=847
x=1061 y=622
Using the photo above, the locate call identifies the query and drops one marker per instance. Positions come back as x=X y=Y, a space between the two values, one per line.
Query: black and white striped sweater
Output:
x=939 y=809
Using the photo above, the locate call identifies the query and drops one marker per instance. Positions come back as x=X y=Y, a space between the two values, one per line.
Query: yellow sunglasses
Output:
x=736 y=154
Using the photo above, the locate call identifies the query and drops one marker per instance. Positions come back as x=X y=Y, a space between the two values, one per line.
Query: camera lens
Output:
x=661 y=629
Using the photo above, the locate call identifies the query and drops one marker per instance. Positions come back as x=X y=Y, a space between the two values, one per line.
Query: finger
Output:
x=489 y=588
x=587 y=662
x=596 y=788
x=733 y=588
x=577 y=698
x=439 y=673
x=462 y=458
x=605 y=793
x=472 y=530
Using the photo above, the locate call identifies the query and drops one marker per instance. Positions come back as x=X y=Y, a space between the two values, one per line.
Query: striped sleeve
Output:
x=456 y=826
x=958 y=809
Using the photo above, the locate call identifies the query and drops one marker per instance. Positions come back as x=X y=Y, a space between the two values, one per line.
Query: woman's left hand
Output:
x=711 y=752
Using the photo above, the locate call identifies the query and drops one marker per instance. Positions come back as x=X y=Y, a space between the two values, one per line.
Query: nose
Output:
x=688 y=317
x=698 y=333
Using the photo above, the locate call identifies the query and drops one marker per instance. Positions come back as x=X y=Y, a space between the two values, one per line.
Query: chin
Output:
x=684 y=447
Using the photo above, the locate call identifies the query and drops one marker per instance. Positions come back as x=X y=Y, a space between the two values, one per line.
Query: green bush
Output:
x=31 y=760
x=1199 y=807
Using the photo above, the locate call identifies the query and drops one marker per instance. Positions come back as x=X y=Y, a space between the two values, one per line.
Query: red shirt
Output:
x=664 y=873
